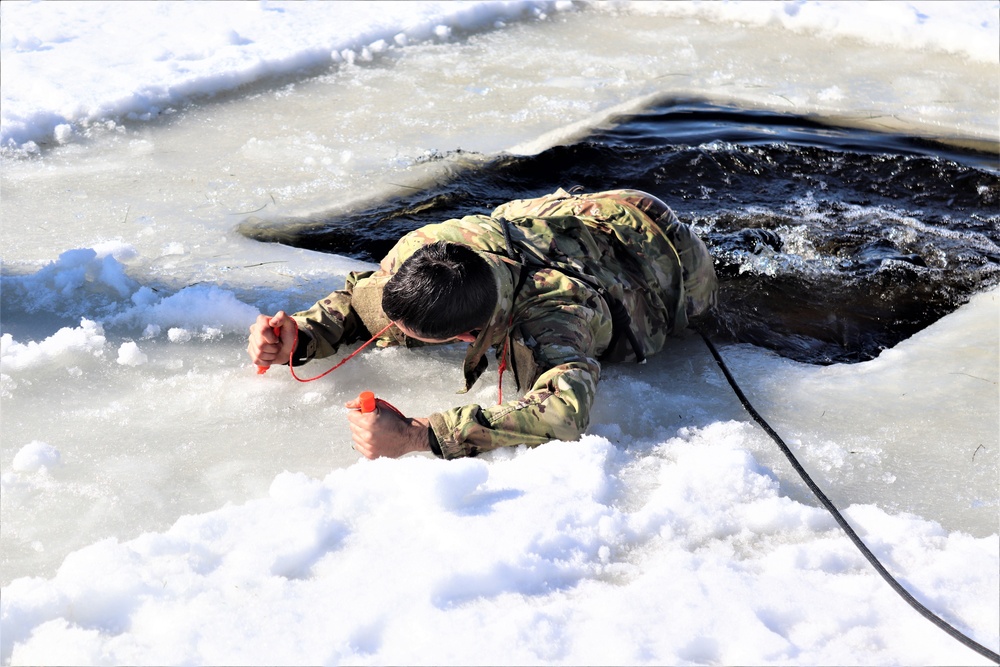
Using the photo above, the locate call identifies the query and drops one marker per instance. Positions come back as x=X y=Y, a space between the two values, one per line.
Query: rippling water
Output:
x=831 y=243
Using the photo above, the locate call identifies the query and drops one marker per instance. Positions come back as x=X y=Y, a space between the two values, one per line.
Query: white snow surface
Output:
x=153 y=57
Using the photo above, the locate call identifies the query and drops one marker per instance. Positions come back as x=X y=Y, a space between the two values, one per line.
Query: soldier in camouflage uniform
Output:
x=579 y=280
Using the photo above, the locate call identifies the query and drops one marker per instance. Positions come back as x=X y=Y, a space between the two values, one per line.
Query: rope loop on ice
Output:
x=295 y=345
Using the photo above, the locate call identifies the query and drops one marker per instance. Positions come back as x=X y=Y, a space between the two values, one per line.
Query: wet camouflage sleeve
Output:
x=568 y=325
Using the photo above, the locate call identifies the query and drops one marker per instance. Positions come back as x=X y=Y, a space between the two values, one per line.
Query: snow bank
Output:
x=87 y=339
x=969 y=29
x=88 y=281
x=108 y=62
x=415 y=561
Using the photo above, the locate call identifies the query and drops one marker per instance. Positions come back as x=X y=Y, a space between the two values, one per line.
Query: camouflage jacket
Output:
x=580 y=252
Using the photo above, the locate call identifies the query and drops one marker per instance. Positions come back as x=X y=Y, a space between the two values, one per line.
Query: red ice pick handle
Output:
x=367 y=401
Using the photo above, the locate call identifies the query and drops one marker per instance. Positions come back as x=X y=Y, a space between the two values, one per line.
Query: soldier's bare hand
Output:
x=384 y=433
x=264 y=346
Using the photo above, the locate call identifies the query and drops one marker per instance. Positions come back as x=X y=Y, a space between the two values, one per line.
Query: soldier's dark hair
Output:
x=442 y=290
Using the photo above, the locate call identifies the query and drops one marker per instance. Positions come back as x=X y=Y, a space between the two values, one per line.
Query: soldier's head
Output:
x=441 y=291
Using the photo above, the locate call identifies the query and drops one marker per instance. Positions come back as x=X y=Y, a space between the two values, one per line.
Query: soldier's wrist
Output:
x=305 y=349
x=416 y=435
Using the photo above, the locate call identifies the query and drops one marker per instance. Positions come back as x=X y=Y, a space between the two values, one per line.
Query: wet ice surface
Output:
x=129 y=407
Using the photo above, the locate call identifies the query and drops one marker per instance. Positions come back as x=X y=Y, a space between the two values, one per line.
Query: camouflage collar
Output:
x=497 y=330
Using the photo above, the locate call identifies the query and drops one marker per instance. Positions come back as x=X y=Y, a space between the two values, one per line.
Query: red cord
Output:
x=368 y=403
x=295 y=345
x=503 y=361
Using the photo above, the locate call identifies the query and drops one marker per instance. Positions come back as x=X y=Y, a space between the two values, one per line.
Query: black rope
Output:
x=924 y=611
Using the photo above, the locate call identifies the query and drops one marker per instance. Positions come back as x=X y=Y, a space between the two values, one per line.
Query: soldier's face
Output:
x=467 y=337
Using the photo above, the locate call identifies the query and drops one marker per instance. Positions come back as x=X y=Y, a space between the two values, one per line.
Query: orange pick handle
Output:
x=277 y=332
x=367 y=401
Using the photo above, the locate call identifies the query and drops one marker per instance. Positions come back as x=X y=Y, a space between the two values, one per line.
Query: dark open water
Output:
x=831 y=243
